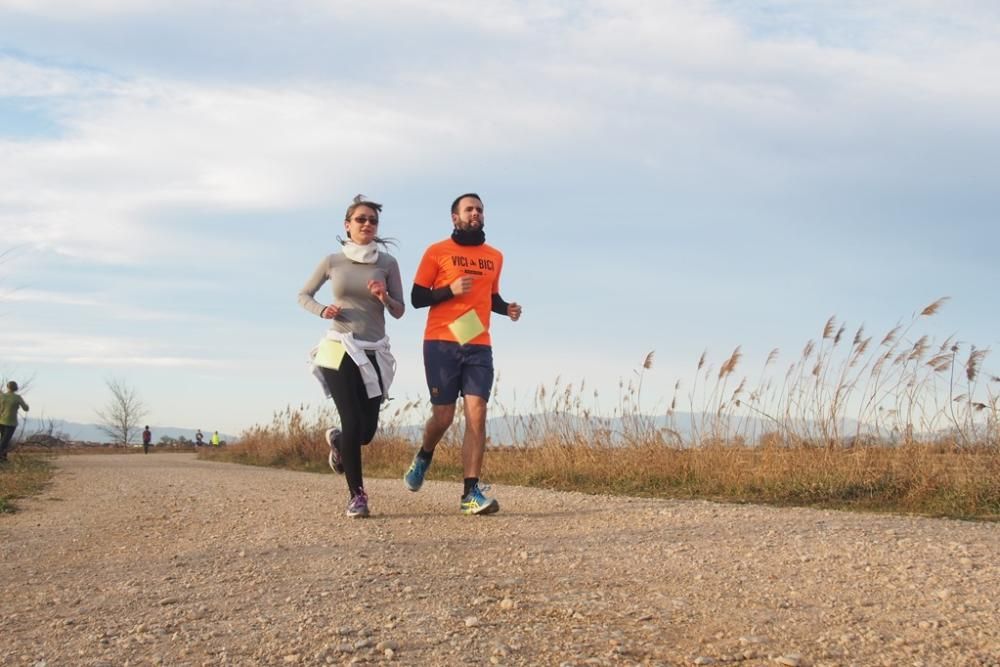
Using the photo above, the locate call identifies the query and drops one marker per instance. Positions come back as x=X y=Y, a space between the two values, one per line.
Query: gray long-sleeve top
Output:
x=361 y=313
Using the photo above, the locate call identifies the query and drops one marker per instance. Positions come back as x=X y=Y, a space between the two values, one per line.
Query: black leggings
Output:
x=358 y=415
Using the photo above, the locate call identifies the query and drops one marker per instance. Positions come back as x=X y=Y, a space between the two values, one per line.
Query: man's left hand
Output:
x=514 y=311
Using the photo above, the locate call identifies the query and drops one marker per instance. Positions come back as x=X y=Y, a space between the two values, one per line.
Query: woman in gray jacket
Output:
x=353 y=361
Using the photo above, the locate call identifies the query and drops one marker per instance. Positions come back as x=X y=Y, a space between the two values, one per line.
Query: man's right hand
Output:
x=330 y=312
x=462 y=286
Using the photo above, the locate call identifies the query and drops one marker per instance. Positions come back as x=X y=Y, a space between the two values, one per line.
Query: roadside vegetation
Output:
x=896 y=423
x=939 y=479
x=22 y=476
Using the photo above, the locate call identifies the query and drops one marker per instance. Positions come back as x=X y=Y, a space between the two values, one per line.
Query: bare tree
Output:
x=124 y=411
x=44 y=433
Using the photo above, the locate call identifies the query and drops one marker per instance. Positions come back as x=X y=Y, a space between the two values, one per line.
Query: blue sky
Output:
x=665 y=176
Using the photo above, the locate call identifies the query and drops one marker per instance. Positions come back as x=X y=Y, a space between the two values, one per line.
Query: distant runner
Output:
x=215 y=439
x=10 y=402
x=147 y=438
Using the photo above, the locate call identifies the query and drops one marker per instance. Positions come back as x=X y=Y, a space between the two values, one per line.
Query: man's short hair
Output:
x=454 y=204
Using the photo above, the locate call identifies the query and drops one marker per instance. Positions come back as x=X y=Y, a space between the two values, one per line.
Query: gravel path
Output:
x=164 y=559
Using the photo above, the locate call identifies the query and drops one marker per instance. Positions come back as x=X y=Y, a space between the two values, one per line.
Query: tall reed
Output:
x=905 y=424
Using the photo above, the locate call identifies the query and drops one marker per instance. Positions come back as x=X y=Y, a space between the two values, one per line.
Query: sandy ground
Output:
x=164 y=559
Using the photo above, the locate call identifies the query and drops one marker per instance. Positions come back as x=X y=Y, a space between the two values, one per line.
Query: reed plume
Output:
x=934 y=307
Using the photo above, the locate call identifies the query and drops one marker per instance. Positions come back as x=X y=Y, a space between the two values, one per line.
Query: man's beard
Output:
x=470 y=236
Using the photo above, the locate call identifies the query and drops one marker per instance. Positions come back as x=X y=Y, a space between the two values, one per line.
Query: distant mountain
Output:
x=522 y=429
x=92 y=433
x=528 y=429
x=503 y=430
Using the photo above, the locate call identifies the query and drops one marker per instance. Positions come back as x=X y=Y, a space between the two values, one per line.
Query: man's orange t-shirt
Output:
x=445 y=262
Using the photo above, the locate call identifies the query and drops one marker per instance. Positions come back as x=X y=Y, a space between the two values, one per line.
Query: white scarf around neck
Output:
x=363 y=254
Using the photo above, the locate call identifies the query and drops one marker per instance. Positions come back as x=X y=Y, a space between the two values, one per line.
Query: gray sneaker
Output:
x=358 y=506
x=333 y=439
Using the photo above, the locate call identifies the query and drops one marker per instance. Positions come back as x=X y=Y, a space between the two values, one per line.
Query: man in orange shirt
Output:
x=459 y=278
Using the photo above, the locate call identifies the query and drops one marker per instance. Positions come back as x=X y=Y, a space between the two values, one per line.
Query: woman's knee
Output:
x=351 y=429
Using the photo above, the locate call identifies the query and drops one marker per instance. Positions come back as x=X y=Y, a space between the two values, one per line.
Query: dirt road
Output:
x=164 y=559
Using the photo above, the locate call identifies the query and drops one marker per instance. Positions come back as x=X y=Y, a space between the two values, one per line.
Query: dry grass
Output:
x=905 y=425
x=913 y=479
x=22 y=476
x=933 y=480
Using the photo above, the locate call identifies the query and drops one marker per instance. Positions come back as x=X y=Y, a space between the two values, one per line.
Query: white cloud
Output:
x=146 y=361
x=155 y=145
x=50 y=298
x=102 y=306
x=67 y=9
x=687 y=81
x=499 y=15
x=80 y=349
x=20 y=78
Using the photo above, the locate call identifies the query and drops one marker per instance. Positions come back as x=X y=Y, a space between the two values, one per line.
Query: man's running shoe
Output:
x=358 y=506
x=414 y=477
x=333 y=439
x=477 y=503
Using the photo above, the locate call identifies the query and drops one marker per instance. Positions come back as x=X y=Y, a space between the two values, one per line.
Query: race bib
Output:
x=466 y=327
x=329 y=354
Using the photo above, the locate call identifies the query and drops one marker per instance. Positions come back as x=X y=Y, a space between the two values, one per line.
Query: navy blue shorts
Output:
x=452 y=369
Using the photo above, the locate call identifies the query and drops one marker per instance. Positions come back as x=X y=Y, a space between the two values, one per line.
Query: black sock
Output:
x=469 y=483
x=424 y=456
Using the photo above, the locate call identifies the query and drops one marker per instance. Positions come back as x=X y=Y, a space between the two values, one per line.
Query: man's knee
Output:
x=442 y=416
x=475 y=408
